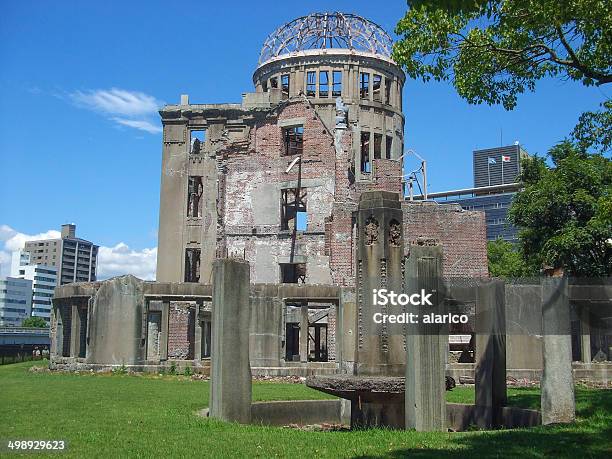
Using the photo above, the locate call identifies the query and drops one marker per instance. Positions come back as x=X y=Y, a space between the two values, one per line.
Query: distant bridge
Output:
x=20 y=343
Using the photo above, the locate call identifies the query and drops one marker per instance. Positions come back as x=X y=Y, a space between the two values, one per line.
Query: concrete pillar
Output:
x=75 y=329
x=57 y=338
x=557 y=386
x=197 y=346
x=379 y=350
x=116 y=323
x=266 y=328
x=163 y=341
x=304 y=324
x=490 y=355
x=380 y=253
x=230 y=385
x=585 y=335
x=426 y=344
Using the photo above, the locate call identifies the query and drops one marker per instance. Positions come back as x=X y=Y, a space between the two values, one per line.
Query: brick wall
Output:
x=461 y=233
x=331 y=334
x=181 y=330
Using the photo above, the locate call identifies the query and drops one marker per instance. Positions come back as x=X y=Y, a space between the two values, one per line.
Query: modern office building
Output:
x=15 y=301
x=44 y=281
x=497 y=166
x=74 y=258
x=496 y=172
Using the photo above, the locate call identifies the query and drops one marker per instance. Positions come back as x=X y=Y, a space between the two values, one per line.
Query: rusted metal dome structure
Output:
x=327 y=31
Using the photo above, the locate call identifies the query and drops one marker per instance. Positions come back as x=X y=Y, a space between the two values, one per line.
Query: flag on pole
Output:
x=505 y=159
x=492 y=161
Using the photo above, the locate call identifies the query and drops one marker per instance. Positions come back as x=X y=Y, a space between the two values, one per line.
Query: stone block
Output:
x=230 y=385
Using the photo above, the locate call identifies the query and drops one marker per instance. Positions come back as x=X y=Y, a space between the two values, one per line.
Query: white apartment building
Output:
x=15 y=301
x=44 y=280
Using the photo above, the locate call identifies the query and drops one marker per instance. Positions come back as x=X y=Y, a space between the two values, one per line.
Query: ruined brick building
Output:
x=275 y=179
x=327 y=95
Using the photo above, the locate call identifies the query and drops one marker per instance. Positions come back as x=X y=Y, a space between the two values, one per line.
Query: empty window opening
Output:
x=377 y=146
x=292 y=342
x=317 y=342
x=293 y=140
x=292 y=208
x=376 y=87
x=264 y=86
x=206 y=338
x=364 y=85
x=387 y=91
x=399 y=94
x=337 y=83
x=274 y=83
x=365 y=152
x=324 y=84
x=153 y=335
x=293 y=273
x=195 y=189
x=197 y=142
x=285 y=86
x=388 y=147
x=311 y=84
x=192 y=265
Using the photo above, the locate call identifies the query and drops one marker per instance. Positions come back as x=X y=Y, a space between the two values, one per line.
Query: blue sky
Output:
x=71 y=152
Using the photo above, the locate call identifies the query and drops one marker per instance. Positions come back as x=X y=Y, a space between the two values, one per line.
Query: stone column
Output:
x=380 y=253
x=266 y=327
x=57 y=338
x=304 y=324
x=426 y=344
x=230 y=384
x=490 y=355
x=197 y=346
x=557 y=386
x=163 y=341
x=379 y=351
x=75 y=335
x=585 y=334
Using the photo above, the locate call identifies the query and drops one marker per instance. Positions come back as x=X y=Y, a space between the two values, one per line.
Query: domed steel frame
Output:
x=325 y=31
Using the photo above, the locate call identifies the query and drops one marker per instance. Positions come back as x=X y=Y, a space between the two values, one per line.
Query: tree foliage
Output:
x=594 y=129
x=565 y=212
x=497 y=49
x=505 y=260
x=34 y=322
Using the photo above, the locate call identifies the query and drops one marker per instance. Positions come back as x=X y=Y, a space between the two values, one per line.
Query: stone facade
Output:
x=276 y=180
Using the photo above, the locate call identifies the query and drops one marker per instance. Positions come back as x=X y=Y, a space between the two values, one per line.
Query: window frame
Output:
x=311 y=86
x=293 y=140
x=336 y=93
x=324 y=93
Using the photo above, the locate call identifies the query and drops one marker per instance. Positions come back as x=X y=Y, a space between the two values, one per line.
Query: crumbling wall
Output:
x=462 y=235
x=253 y=181
x=181 y=330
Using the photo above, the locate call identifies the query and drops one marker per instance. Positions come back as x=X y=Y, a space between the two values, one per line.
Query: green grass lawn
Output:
x=135 y=416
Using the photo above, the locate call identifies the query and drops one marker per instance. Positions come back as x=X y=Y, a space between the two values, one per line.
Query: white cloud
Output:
x=143 y=125
x=112 y=261
x=117 y=101
x=127 y=108
x=118 y=260
x=12 y=240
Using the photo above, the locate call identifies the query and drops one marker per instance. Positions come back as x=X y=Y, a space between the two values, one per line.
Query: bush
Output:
x=35 y=322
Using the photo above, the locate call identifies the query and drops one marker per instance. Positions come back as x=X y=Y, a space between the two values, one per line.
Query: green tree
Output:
x=495 y=50
x=505 y=260
x=565 y=212
x=34 y=322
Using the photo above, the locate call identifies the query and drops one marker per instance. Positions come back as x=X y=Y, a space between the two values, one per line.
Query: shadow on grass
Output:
x=590 y=436
x=537 y=442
